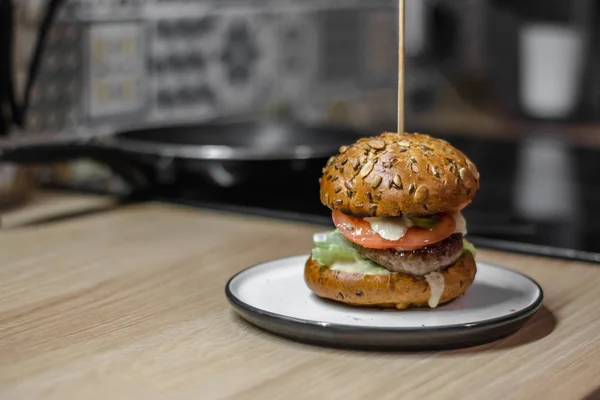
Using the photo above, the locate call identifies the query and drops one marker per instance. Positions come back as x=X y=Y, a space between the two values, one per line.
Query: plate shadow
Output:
x=541 y=324
x=595 y=395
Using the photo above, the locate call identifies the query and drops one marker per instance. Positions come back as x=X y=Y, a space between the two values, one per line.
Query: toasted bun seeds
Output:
x=392 y=175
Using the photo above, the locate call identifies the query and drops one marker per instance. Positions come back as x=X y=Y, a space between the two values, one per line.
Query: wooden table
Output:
x=130 y=304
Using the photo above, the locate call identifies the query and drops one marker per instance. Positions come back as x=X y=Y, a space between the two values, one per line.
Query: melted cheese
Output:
x=358 y=267
x=461 y=224
x=390 y=228
x=436 y=286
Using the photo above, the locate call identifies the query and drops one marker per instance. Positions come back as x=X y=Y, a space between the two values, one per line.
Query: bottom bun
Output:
x=395 y=290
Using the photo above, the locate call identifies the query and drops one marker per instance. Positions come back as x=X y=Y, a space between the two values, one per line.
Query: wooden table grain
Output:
x=130 y=304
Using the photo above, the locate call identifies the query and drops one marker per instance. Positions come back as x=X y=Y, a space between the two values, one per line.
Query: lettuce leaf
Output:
x=333 y=247
x=424 y=222
x=468 y=246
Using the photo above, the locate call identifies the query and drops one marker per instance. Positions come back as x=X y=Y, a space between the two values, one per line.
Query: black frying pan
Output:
x=227 y=154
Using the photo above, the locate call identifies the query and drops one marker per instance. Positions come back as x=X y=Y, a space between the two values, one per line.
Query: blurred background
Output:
x=227 y=103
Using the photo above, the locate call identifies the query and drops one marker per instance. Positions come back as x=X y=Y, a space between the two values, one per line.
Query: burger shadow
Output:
x=487 y=295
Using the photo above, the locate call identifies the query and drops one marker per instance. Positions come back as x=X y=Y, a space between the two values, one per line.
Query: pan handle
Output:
x=139 y=175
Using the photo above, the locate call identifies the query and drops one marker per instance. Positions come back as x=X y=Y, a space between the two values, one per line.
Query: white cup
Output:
x=551 y=67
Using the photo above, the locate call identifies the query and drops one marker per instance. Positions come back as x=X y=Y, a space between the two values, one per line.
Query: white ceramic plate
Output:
x=274 y=297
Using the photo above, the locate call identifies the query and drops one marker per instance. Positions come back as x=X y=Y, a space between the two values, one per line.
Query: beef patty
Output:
x=418 y=262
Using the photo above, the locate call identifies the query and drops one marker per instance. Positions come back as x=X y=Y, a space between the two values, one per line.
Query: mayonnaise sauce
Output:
x=461 y=224
x=436 y=286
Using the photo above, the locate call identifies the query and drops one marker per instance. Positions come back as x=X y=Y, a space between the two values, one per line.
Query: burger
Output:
x=396 y=202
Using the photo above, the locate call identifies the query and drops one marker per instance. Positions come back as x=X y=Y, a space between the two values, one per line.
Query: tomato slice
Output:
x=359 y=231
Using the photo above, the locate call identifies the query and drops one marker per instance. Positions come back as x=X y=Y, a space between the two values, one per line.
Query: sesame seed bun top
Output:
x=391 y=175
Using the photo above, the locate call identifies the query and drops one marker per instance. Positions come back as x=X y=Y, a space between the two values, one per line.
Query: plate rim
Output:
x=512 y=317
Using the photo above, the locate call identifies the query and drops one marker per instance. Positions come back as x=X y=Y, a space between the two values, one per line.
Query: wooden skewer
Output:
x=401 y=31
